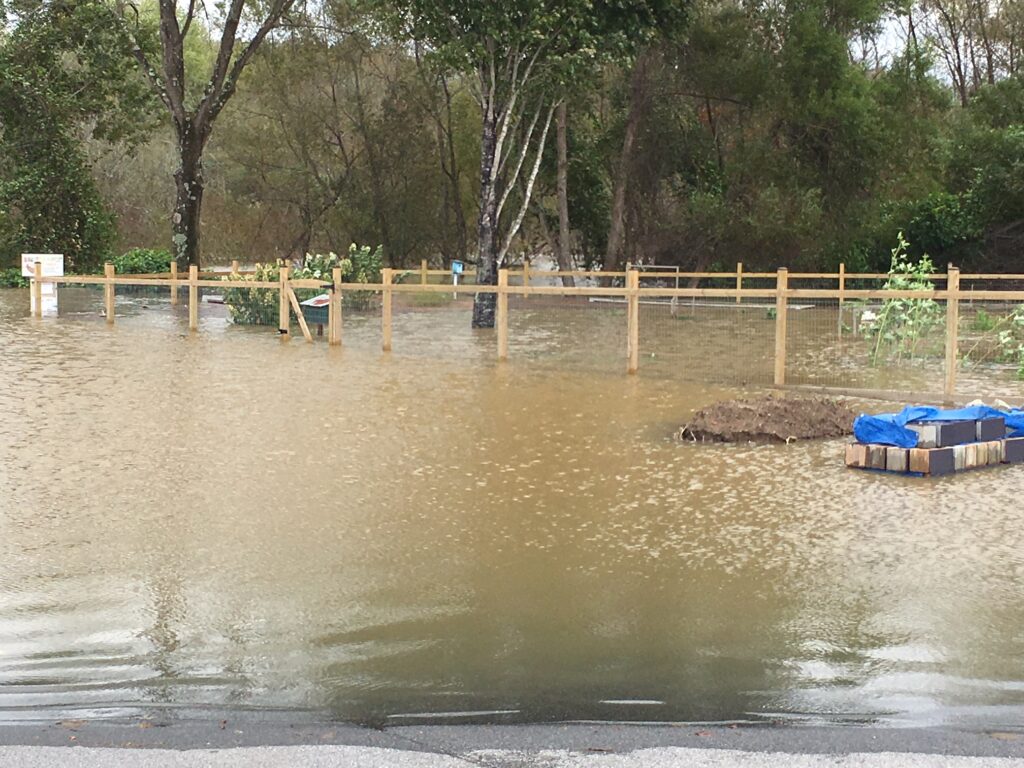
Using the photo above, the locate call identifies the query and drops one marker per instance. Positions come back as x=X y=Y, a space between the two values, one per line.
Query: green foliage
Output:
x=983 y=321
x=11 y=278
x=903 y=324
x=142 y=261
x=64 y=69
x=255 y=306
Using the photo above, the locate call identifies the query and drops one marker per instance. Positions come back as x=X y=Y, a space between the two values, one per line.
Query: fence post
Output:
x=37 y=289
x=174 y=282
x=283 y=315
x=781 y=302
x=334 y=310
x=234 y=267
x=502 y=318
x=193 y=298
x=423 y=271
x=739 y=280
x=842 y=295
x=633 y=321
x=952 y=330
x=386 y=309
x=526 y=274
x=108 y=292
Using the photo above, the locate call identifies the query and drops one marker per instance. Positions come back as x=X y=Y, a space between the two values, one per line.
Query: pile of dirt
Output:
x=769 y=419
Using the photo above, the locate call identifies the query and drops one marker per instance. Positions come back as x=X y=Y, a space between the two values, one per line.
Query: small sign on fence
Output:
x=53 y=266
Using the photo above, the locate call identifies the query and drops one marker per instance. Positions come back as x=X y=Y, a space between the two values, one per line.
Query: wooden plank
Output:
x=781 y=312
x=423 y=271
x=971 y=456
x=856 y=455
x=995 y=452
x=918 y=460
x=982 y=451
x=502 y=314
x=174 y=282
x=952 y=331
x=959 y=457
x=896 y=459
x=294 y=301
x=193 y=298
x=739 y=281
x=108 y=293
x=876 y=456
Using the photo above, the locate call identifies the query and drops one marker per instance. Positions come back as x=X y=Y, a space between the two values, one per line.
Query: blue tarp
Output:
x=890 y=428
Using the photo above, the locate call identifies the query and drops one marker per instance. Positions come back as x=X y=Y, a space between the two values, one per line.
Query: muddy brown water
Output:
x=228 y=522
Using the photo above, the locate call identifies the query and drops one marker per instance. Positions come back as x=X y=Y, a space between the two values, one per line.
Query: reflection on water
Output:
x=227 y=521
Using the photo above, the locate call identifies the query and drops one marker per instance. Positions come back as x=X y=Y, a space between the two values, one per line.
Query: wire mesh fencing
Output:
x=991 y=349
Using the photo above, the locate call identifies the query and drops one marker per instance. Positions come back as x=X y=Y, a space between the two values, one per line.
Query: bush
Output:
x=11 y=278
x=255 y=306
x=142 y=261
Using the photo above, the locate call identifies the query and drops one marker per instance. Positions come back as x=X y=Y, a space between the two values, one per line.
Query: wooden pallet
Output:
x=935 y=461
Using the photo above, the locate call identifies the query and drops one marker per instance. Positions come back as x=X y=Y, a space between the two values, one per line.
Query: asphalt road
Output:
x=275 y=744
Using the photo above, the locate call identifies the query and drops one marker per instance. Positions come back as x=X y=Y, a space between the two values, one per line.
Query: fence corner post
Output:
x=502 y=318
x=37 y=289
x=386 y=278
x=174 y=282
x=739 y=281
x=633 y=321
x=283 y=314
x=193 y=298
x=108 y=292
x=781 y=306
x=952 y=331
x=334 y=310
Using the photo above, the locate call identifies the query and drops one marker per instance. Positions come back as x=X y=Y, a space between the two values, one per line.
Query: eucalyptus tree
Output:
x=193 y=117
x=518 y=55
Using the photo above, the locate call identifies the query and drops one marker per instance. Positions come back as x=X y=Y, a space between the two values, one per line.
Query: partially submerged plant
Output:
x=256 y=306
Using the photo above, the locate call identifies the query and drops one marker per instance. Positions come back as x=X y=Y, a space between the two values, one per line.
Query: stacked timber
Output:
x=943 y=447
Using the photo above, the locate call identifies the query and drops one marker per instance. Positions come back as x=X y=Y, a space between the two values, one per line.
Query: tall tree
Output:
x=517 y=52
x=193 y=120
x=65 y=71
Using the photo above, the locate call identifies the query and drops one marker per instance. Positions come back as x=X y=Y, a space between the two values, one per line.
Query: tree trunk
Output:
x=617 y=226
x=564 y=232
x=487 y=228
x=188 y=204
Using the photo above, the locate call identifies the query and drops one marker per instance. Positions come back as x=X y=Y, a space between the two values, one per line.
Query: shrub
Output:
x=11 y=278
x=142 y=261
x=255 y=306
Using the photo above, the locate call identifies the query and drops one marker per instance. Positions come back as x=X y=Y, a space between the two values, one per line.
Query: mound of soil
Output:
x=769 y=419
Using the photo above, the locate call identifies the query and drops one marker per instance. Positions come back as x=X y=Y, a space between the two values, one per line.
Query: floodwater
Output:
x=226 y=522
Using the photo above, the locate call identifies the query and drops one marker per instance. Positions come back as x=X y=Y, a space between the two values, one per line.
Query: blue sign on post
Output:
x=457 y=267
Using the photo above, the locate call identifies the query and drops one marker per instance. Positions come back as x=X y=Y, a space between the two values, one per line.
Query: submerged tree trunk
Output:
x=188 y=180
x=564 y=231
x=487 y=226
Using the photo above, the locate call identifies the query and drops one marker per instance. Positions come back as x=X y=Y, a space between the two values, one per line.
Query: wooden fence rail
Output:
x=631 y=292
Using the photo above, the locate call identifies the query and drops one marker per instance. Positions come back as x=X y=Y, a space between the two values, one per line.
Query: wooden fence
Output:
x=631 y=292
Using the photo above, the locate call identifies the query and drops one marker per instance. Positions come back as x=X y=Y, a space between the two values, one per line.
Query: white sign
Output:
x=53 y=266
